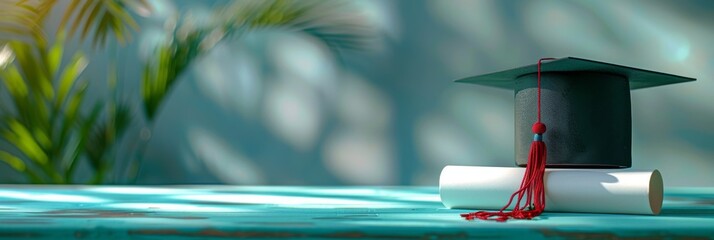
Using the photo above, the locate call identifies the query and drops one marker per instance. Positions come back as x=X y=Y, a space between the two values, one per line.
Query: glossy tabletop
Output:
x=220 y=211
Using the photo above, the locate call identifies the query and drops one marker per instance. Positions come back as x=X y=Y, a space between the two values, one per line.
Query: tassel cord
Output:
x=532 y=185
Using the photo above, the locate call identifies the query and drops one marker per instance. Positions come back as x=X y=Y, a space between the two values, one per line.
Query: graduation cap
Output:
x=586 y=106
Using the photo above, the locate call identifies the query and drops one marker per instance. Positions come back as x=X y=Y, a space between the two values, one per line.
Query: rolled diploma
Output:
x=566 y=190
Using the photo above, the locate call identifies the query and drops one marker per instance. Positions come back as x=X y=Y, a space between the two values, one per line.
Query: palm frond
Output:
x=337 y=24
x=46 y=125
x=334 y=24
x=22 y=20
x=12 y=160
x=103 y=138
x=158 y=79
x=19 y=165
x=103 y=17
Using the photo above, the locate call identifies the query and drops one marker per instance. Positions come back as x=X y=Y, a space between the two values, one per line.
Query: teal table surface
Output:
x=219 y=211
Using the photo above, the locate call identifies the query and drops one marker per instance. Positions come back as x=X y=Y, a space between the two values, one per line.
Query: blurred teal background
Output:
x=278 y=108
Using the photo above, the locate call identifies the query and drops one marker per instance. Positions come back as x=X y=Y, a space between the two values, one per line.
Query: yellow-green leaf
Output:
x=69 y=76
x=32 y=68
x=74 y=103
x=46 y=87
x=14 y=82
x=42 y=138
x=12 y=160
x=25 y=142
x=55 y=56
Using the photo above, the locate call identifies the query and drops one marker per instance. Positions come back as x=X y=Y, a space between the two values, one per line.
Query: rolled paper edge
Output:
x=655 y=191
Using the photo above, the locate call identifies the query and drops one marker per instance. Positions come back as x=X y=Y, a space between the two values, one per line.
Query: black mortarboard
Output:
x=585 y=104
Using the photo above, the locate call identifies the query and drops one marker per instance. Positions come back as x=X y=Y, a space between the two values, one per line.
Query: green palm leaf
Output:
x=21 y=20
x=104 y=135
x=45 y=123
x=18 y=165
x=12 y=160
x=103 y=17
x=334 y=23
x=329 y=22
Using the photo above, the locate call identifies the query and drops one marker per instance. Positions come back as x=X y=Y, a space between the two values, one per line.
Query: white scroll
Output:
x=567 y=190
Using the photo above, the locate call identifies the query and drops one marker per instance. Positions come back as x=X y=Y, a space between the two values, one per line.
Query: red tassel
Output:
x=532 y=186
